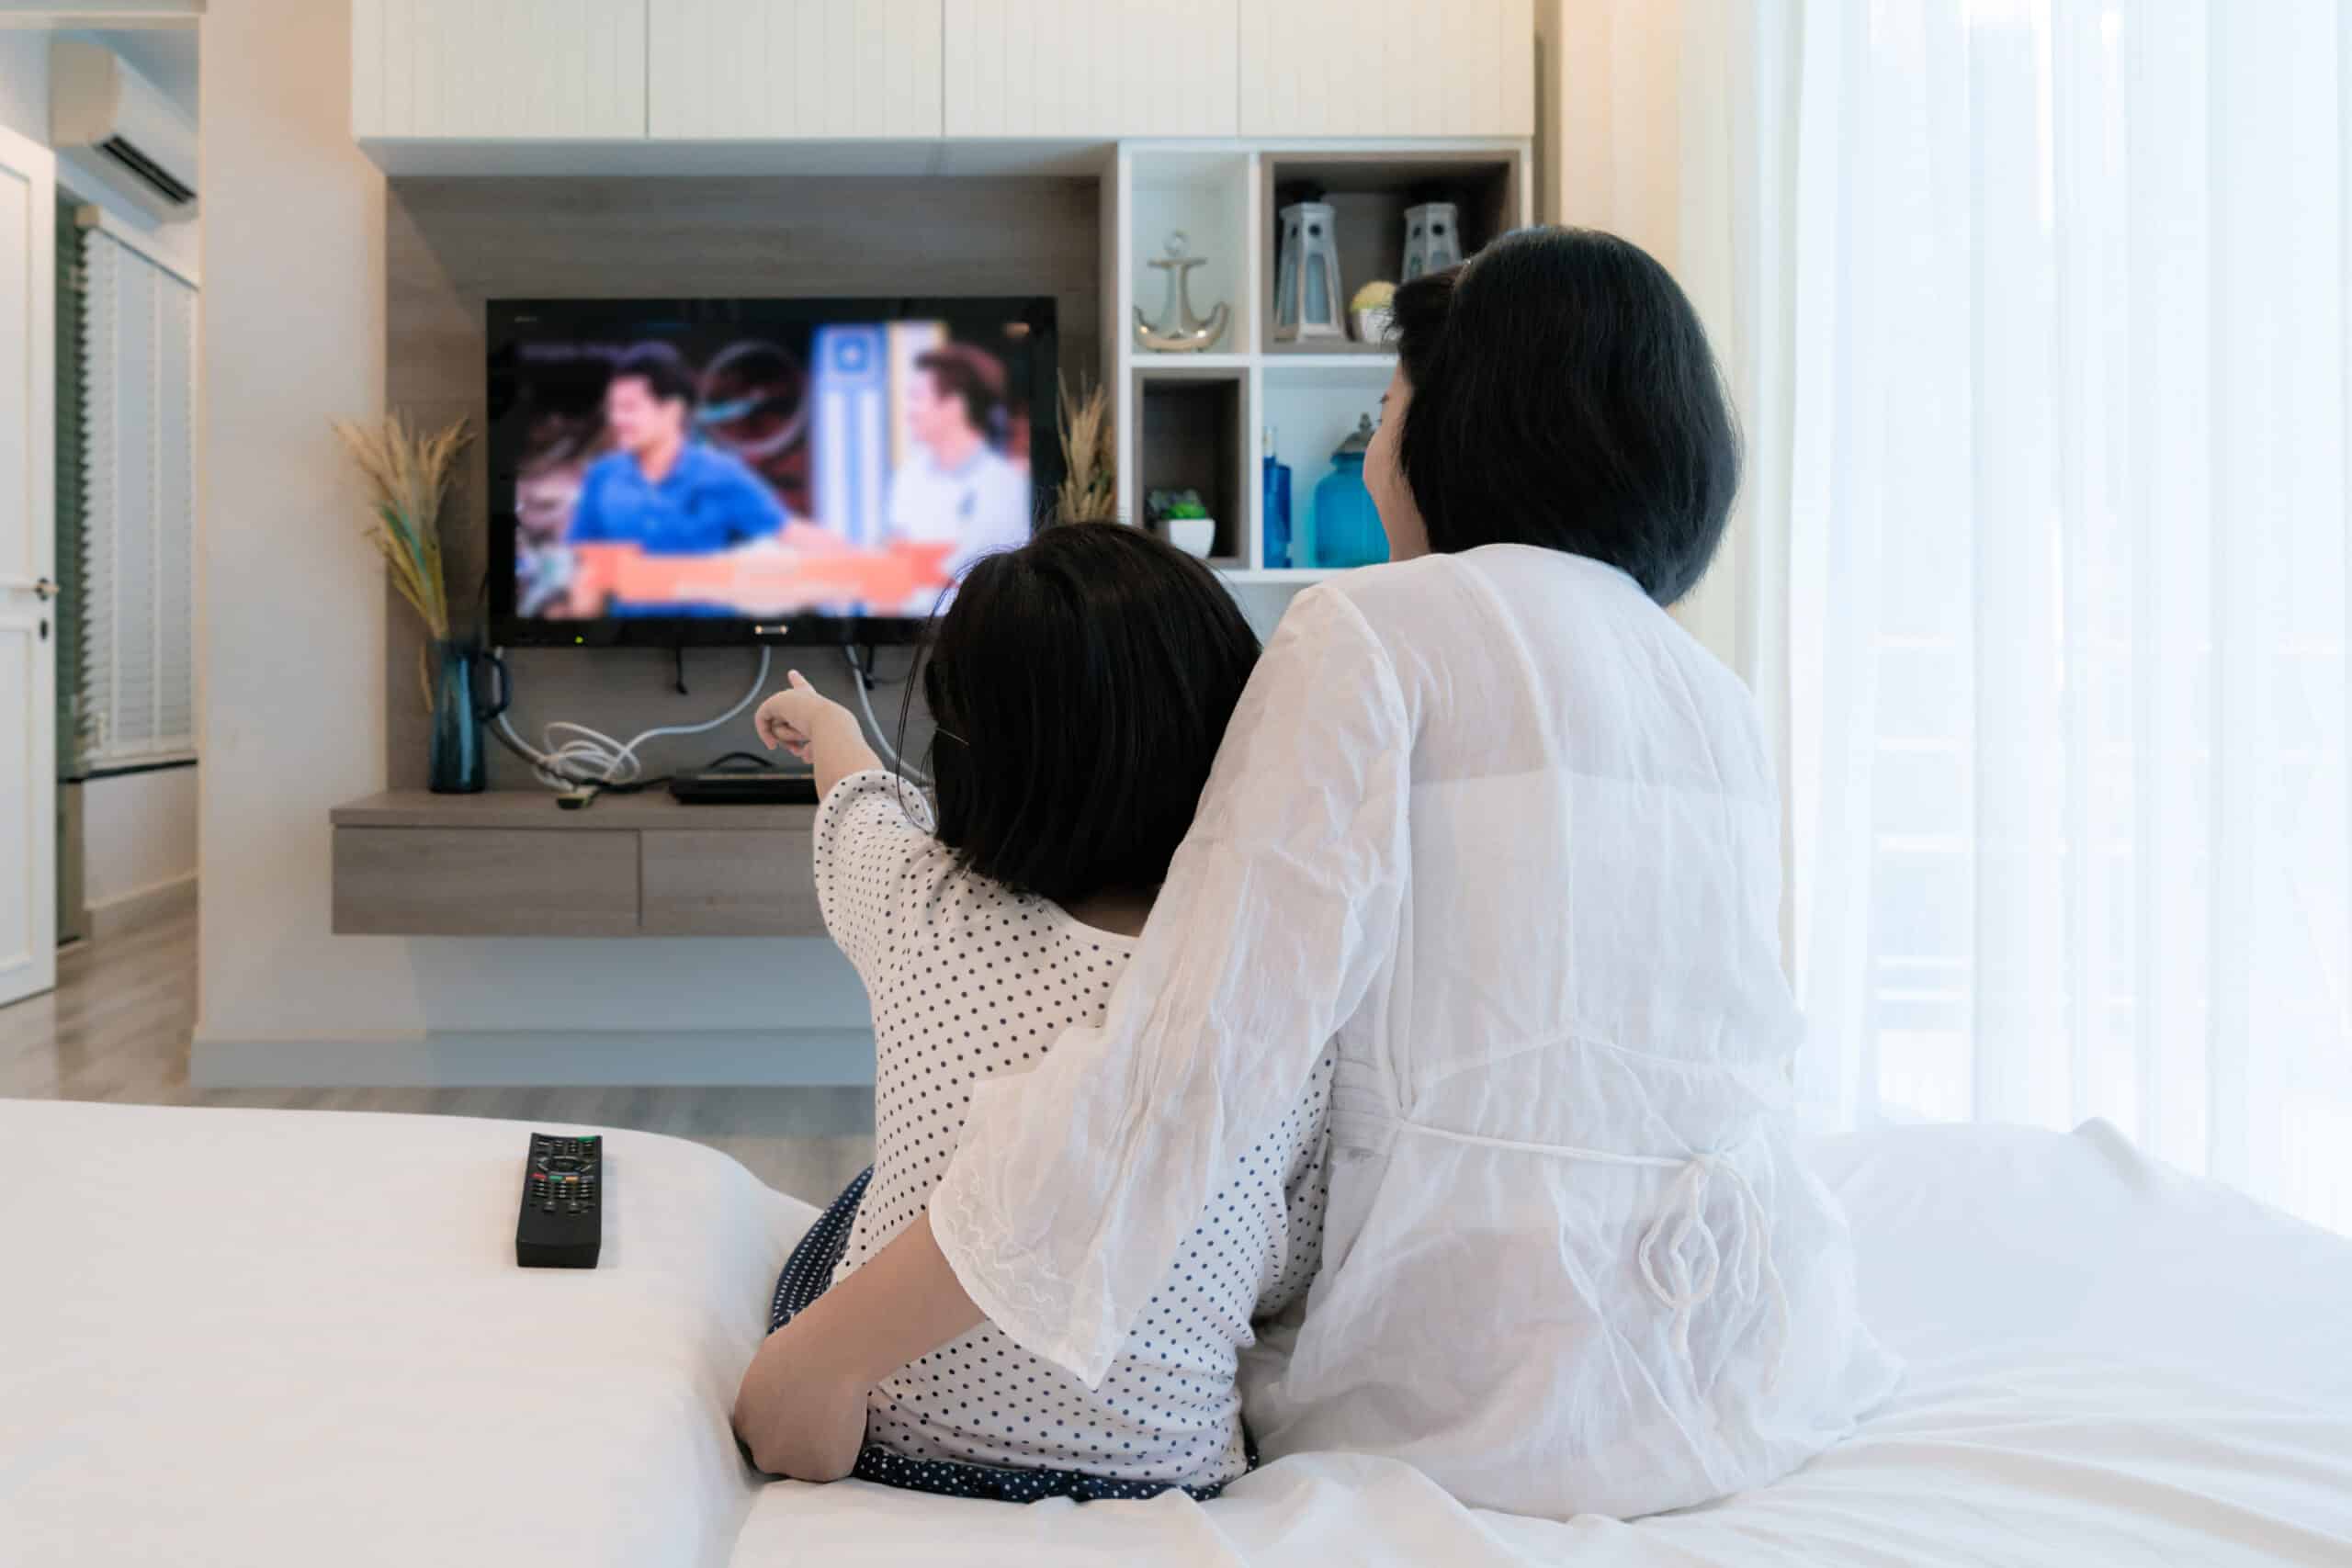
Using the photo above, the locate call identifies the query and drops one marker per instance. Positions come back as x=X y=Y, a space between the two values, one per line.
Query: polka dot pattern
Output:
x=969 y=980
x=811 y=1268
x=805 y=1275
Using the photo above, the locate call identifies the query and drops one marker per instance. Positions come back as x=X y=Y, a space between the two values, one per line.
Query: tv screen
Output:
x=796 y=470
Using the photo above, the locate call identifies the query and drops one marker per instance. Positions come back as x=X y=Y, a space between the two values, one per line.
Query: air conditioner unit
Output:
x=117 y=127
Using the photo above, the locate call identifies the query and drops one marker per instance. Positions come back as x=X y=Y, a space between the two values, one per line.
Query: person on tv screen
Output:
x=660 y=489
x=957 y=485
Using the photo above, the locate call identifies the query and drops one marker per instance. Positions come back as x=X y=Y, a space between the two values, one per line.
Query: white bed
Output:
x=268 y=1337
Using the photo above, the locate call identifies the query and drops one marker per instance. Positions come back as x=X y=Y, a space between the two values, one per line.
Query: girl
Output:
x=1081 y=686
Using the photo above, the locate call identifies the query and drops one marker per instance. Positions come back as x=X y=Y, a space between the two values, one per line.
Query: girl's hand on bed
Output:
x=799 y=1416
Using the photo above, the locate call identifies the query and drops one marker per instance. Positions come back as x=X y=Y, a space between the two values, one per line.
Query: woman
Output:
x=1490 y=822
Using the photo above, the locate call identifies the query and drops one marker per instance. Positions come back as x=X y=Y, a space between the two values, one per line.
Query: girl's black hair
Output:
x=1563 y=395
x=1081 y=685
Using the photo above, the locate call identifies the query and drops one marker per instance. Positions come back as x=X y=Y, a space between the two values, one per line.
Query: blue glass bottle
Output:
x=455 y=764
x=1277 y=507
x=1347 y=524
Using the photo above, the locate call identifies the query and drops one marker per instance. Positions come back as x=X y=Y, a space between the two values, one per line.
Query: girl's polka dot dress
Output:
x=968 y=980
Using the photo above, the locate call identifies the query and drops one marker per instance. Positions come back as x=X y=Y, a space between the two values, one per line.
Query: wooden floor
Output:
x=117 y=1026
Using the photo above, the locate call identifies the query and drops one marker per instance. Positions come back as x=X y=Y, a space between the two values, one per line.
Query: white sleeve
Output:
x=1075 y=1184
x=872 y=832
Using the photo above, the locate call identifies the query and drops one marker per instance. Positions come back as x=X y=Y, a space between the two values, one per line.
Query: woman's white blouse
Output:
x=1497 y=828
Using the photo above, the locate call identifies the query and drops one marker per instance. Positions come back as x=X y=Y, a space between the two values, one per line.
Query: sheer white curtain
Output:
x=2051 y=388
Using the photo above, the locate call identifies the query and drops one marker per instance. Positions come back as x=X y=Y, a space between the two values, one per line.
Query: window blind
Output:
x=72 y=548
x=138 y=504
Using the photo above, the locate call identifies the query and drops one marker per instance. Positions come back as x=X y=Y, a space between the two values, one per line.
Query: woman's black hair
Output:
x=1563 y=395
x=1081 y=685
x=661 y=367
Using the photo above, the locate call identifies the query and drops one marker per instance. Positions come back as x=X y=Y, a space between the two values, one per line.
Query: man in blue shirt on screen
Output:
x=661 y=490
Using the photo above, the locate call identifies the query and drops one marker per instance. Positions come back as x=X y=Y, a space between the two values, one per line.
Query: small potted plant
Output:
x=1184 y=520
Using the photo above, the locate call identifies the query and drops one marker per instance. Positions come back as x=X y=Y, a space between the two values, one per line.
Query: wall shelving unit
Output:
x=1199 y=421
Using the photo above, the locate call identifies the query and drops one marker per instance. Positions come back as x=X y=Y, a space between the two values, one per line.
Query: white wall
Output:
x=292 y=651
x=137 y=835
x=24 y=83
x=1637 y=95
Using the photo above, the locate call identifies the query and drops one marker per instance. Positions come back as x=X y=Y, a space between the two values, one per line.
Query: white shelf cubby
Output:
x=1310 y=408
x=1206 y=196
x=1223 y=194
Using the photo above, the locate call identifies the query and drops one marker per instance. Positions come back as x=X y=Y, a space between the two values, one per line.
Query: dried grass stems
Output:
x=410 y=473
x=1090 y=457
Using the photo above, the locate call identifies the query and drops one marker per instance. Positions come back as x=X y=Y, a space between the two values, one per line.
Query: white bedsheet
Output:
x=2110 y=1364
x=265 y=1338
x=212 y=1352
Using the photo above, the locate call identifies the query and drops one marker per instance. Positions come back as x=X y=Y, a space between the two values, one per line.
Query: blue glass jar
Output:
x=1347 y=526
x=453 y=762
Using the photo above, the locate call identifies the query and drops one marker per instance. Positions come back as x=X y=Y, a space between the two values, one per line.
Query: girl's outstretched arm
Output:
x=816 y=729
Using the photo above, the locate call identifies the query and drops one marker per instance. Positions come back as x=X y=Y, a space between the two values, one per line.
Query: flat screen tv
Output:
x=675 y=472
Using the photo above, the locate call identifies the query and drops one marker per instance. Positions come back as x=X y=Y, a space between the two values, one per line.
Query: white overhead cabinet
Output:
x=499 y=70
x=510 y=73
x=1107 y=68
x=1388 y=68
x=794 y=70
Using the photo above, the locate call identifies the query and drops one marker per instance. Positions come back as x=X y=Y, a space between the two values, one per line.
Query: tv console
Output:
x=512 y=862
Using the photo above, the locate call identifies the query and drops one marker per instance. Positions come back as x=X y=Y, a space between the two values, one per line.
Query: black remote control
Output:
x=563 y=1199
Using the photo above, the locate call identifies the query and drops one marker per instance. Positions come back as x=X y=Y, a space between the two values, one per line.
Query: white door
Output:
x=27 y=564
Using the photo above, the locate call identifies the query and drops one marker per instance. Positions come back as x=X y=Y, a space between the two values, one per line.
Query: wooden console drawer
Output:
x=702 y=883
x=485 y=882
